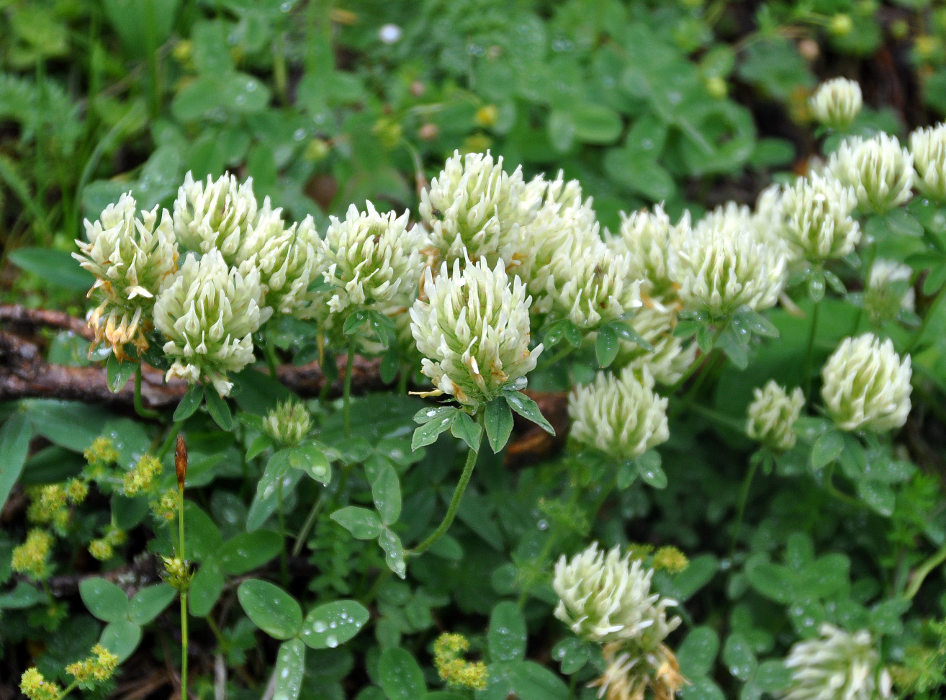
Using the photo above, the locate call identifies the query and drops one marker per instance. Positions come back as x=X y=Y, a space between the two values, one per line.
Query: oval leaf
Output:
x=326 y=626
x=270 y=608
x=290 y=666
x=104 y=599
x=400 y=675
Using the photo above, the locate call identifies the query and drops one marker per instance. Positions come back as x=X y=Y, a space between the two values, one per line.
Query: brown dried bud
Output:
x=418 y=88
x=428 y=132
x=180 y=461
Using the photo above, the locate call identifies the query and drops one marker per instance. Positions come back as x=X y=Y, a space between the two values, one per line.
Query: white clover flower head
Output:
x=879 y=170
x=473 y=331
x=723 y=267
x=131 y=254
x=475 y=209
x=606 y=597
x=837 y=102
x=620 y=415
x=216 y=214
x=772 y=416
x=646 y=239
x=729 y=218
x=866 y=386
x=768 y=221
x=817 y=221
x=670 y=358
x=208 y=312
x=837 y=664
x=288 y=423
x=928 y=148
x=630 y=672
x=588 y=285
x=371 y=261
x=888 y=290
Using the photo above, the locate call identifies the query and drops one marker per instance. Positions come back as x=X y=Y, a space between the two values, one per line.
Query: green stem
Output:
x=139 y=404
x=270 y=352
x=181 y=555
x=308 y=524
x=69 y=688
x=403 y=379
x=283 y=558
x=872 y=255
x=916 y=580
x=169 y=440
x=346 y=395
x=741 y=509
x=930 y=312
x=809 y=349
x=454 y=502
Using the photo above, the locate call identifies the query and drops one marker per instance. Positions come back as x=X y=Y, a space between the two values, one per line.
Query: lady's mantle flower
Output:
x=214 y=215
x=35 y=686
x=817 y=221
x=721 y=268
x=620 y=415
x=130 y=255
x=288 y=423
x=474 y=332
x=879 y=170
x=837 y=102
x=772 y=416
x=928 y=147
x=866 y=386
x=606 y=598
x=208 y=312
x=839 y=664
x=475 y=209
x=32 y=557
x=888 y=290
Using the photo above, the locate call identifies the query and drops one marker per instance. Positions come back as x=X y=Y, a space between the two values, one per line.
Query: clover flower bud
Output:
x=837 y=664
x=888 y=290
x=208 y=312
x=670 y=357
x=928 y=148
x=723 y=266
x=837 y=102
x=35 y=686
x=130 y=255
x=473 y=332
x=866 y=385
x=879 y=170
x=475 y=209
x=619 y=415
x=604 y=597
x=215 y=215
x=288 y=423
x=647 y=238
x=31 y=557
x=818 y=225
x=772 y=416
x=452 y=668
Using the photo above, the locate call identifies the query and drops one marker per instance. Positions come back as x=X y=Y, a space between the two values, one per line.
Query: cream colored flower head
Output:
x=131 y=255
x=606 y=597
x=214 y=214
x=208 y=312
x=474 y=209
x=646 y=239
x=888 y=290
x=723 y=267
x=473 y=331
x=288 y=423
x=670 y=357
x=837 y=664
x=772 y=416
x=866 y=386
x=837 y=102
x=620 y=415
x=879 y=170
x=928 y=148
x=817 y=218
x=371 y=261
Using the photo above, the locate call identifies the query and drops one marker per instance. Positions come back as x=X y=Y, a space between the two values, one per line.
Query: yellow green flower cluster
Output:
x=456 y=671
x=101 y=452
x=34 y=686
x=94 y=669
x=141 y=478
x=48 y=505
x=103 y=548
x=165 y=507
x=30 y=558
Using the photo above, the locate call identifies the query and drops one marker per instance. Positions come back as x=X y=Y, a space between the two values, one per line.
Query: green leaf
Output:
x=698 y=573
x=650 y=469
x=205 y=589
x=290 y=668
x=69 y=424
x=121 y=638
x=362 y=523
x=270 y=608
x=386 y=493
x=595 y=123
x=219 y=410
x=507 y=633
x=525 y=680
x=878 y=495
x=738 y=656
x=393 y=551
x=528 y=409
x=104 y=599
x=117 y=373
x=438 y=420
x=248 y=551
x=467 y=429
x=698 y=652
x=607 y=345
x=15 y=438
x=52 y=267
x=266 y=500
x=572 y=654
x=400 y=676
x=312 y=461
x=189 y=403
x=149 y=602
x=826 y=449
x=497 y=419
x=772 y=580
x=328 y=625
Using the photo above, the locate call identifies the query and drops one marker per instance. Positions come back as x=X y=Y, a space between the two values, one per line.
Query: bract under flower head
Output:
x=131 y=255
x=214 y=215
x=772 y=416
x=928 y=147
x=208 y=312
x=866 y=386
x=837 y=664
x=817 y=221
x=619 y=415
x=473 y=331
x=879 y=170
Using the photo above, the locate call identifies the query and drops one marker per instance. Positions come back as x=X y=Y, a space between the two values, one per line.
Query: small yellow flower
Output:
x=76 y=491
x=30 y=558
x=34 y=686
x=456 y=671
x=101 y=452
x=101 y=550
x=670 y=559
x=165 y=508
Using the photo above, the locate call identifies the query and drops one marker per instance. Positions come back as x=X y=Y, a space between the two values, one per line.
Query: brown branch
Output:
x=26 y=321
